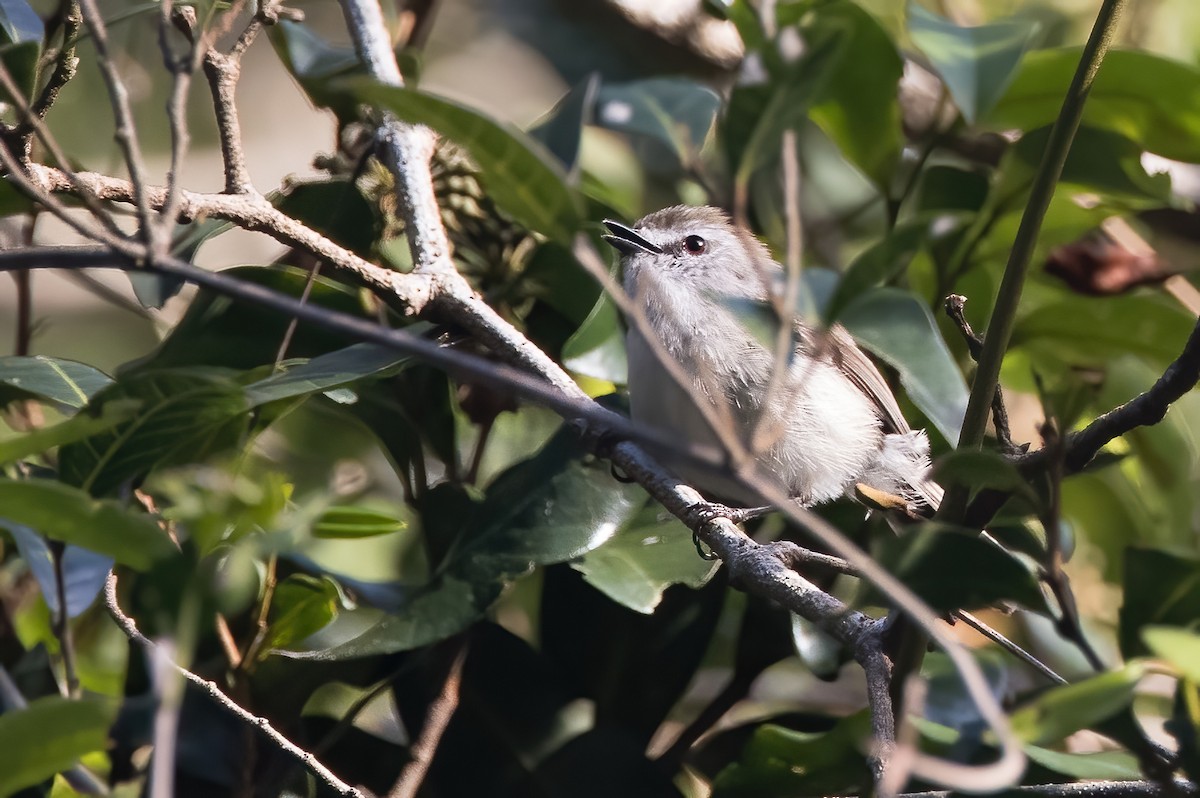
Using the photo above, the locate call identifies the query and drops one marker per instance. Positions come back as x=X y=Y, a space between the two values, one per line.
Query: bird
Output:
x=833 y=426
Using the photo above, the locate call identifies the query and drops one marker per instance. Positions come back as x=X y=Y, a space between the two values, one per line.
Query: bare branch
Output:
x=129 y=627
x=437 y=718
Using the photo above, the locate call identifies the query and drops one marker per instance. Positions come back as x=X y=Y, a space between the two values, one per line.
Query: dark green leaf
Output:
x=877 y=264
x=858 y=107
x=183 y=417
x=675 y=112
x=757 y=118
x=325 y=372
x=958 y=569
x=1147 y=98
x=75 y=428
x=1162 y=588
x=976 y=64
x=153 y=290
x=49 y=736
x=977 y=469
x=519 y=175
x=597 y=349
x=63 y=382
x=345 y=521
x=217 y=331
x=897 y=327
x=336 y=209
x=61 y=512
x=1062 y=711
x=551 y=508
x=302 y=605
x=21 y=60
x=561 y=131
x=643 y=560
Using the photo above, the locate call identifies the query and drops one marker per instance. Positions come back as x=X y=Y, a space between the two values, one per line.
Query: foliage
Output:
x=313 y=522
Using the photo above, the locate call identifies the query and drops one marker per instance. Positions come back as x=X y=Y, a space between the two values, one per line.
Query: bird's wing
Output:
x=858 y=368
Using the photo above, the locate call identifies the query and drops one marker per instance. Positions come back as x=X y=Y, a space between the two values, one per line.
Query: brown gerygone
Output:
x=826 y=427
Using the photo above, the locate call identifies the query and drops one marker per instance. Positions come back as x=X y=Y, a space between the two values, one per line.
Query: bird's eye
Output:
x=694 y=244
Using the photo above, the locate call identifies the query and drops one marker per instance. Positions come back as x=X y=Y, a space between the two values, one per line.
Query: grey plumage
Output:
x=833 y=419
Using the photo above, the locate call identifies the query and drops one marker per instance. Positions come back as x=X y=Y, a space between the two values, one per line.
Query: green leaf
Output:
x=20 y=23
x=757 y=118
x=897 y=327
x=597 y=349
x=643 y=560
x=21 y=60
x=1180 y=647
x=976 y=64
x=551 y=508
x=78 y=427
x=520 y=176
x=49 y=736
x=958 y=569
x=335 y=209
x=676 y=112
x=326 y=372
x=877 y=264
x=978 y=469
x=183 y=417
x=220 y=332
x=780 y=761
x=1062 y=711
x=61 y=512
x=1094 y=330
x=859 y=107
x=84 y=572
x=561 y=130
x=1147 y=98
x=302 y=606
x=352 y=522
x=1100 y=162
x=1106 y=765
x=63 y=382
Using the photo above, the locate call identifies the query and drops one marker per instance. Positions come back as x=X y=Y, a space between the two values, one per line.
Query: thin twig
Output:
x=129 y=627
x=62 y=621
x=1002 y=641
x=126 y=131
x=437 y=718
x=65 y=67
x=955 y=306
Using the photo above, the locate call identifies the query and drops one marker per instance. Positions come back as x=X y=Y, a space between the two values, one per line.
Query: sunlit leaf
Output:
x=183 y=416
x=1180 y=647
x=1061 y=711
x=643 y=560
x=63 y=382
x=61 y=512
x=1147 y=98
x=325 y=372
x=350 y=522
x=49 y=736
x=301 y=606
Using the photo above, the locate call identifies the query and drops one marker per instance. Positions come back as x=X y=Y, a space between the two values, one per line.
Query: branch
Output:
x=1091 y=789
x=129 y=627
x=437 y=718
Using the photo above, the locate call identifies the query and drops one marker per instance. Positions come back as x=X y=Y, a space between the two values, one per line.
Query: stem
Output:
x=1000 y=328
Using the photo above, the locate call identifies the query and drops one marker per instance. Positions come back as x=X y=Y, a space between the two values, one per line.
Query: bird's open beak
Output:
x=627 y=241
